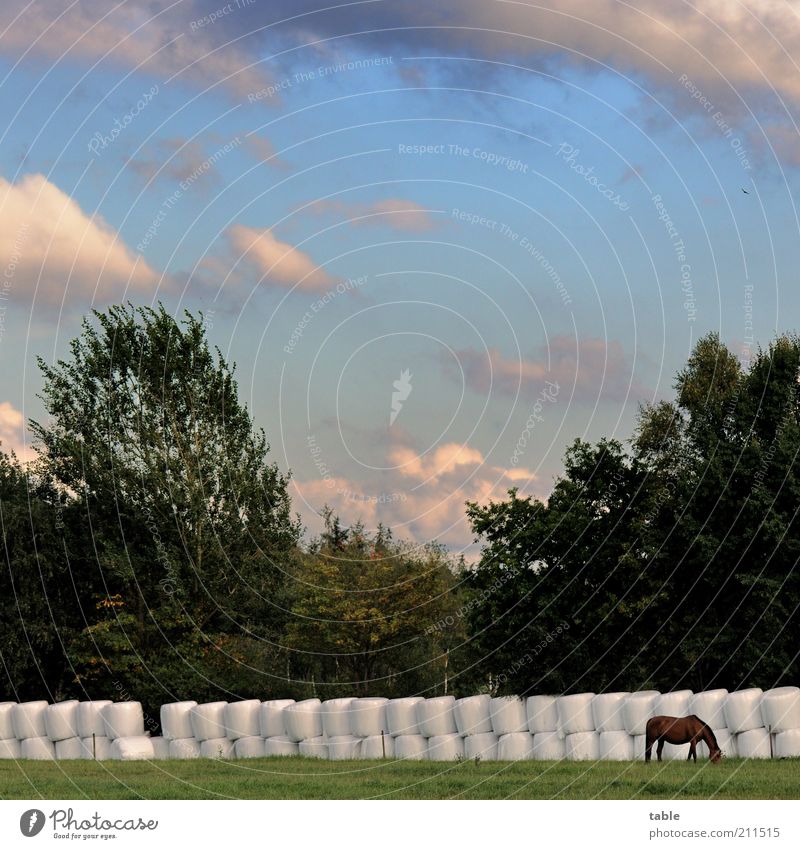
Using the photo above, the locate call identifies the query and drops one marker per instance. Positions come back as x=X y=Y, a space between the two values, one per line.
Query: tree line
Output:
x=151 y=551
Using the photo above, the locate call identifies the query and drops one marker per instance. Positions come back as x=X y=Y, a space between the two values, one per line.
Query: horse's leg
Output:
x=660 y=748
x=692 y=752
x=648 y=748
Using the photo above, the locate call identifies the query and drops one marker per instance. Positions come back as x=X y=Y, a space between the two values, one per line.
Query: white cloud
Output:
x=13 y=435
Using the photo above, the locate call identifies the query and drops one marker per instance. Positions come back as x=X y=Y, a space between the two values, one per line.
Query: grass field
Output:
x=301 y=778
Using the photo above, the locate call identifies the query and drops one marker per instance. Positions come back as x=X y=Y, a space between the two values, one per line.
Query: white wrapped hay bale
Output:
x=61 y=720
x=90 y=718
x=160 y=748
x=726 y=742
x=343 y=747
x=780 y=709
x=675 y=703
x=28 y=719
x=515 y=746
x=303 y=720
x=38 y=749
x=472 y=715
x=69 y=749
x=184 y=749
x=376 y=747
x=483 y=746
x=637 y=709
x=138 y=748
x=208 y=721
x=401 y=716
x=607 y=712
x=436 y=717
x=249 y=747
x=673 y=751
x=176 y=720
x=508 y=715
x=96 y=748
x=542 y=714
x=549 y=746
x=280 y=746
x=753 y=743
x=336 y=720
x=582 y=746
x=616 y=746
x=271 y=719
x=10 y=749
x=743 y=710
x=639 y=743
x=368 y=716
x=6 y=721
x=242 y=719
x=445 y=747
x=219 y=749
x=123 y=719
x=787 y=743
x=575 y=713
x=411 y=747
x=710 y=707
x=315 y=747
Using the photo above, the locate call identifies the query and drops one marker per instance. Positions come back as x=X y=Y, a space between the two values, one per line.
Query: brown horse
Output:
x=686 y=729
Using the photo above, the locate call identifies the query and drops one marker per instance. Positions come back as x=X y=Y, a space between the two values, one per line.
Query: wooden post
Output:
x=769 y=731
x=383 y=743
x=94 y=746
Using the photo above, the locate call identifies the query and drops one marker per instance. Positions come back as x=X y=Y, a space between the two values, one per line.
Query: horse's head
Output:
x=716 y=756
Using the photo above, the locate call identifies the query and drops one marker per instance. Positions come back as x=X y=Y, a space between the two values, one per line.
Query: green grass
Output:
x=301 y=778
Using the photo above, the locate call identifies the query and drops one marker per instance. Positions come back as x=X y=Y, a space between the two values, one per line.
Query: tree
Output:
x=374 y=615
x=191 y=526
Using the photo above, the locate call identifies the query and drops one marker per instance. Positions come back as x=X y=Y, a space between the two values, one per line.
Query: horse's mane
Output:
x=708 y=728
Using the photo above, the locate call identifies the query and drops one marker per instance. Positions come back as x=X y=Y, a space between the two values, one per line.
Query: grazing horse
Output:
x=685 y=729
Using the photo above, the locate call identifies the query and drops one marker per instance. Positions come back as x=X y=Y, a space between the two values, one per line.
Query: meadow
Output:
x=303 y=778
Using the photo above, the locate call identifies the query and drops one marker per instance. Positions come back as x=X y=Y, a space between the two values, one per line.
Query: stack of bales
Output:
x=436 y=723
x=403 y=724
x=780 y=713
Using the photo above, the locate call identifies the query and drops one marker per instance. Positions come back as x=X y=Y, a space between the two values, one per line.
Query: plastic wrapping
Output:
x=675 y=703
x=436 y=717
x=753 y=743
x=445 y=747
x=583 y=746
x=184 y=749
x=639 y=743
x=280 y=746
x=548 y=746
x=123 y=719
x=401 y=716
x=315 y=747
x=411 y=747
x=472 y=715
x=368 y=716
x=508 y=715
x=6 y=721
x=303 y=720
x=38 y=749
x=10 y=749
x=28 y=719
x=335 y=717
x=61 y=721
x=542 y=714
x=160 y=748
x=482 y=746
x=637 y=709
x=344 y=747
x=90 y=718
x=249 y=747
x=673 y=751
x=220 y=748
x=138 y=748
x=787 y=743
x=69 y=749
x=176 y=720
x=208 y=721
x=372 y=747
x=607 y=713
x=271 y=719
x=780 y=709
x=575 y=713
x=710 y=707
x=615 y=746
x=242 y=719
x=99 y=746
x=743 y=710
x=515 y=746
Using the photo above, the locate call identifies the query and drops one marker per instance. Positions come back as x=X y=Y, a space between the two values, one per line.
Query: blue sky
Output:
x=495 y=199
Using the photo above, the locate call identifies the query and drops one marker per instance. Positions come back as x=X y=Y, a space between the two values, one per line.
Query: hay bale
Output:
x=271 y=718
x=28 y=720
x=411 y=747
x=303 y=720
x=515 y=746
x=249 y=747
x=482 y=746
x=583 y=746
x=69 y=749
x=368 y=716
x=472 y=715
x=607 y=713
x=344 y=747
x=542 y=714
x=176 y=720
x=780 y=709
x=373 y=747
x=548 y=746
x=445 y=747
x=61 y=721
x=401 y=716
x=208 y=721
x=242 y=719
x=315 y=747
x=637 y=709
x=743 y=710
x=123 y=719
x=138 y=748
x=436 y=717
x=38 y=749
x=508 y=715
x=280 y=746
x=184 y=749
x=90 y=718
x=710 y=707
x=220 y=748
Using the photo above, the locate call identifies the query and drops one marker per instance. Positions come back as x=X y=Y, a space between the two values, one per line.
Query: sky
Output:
x=439 y=241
